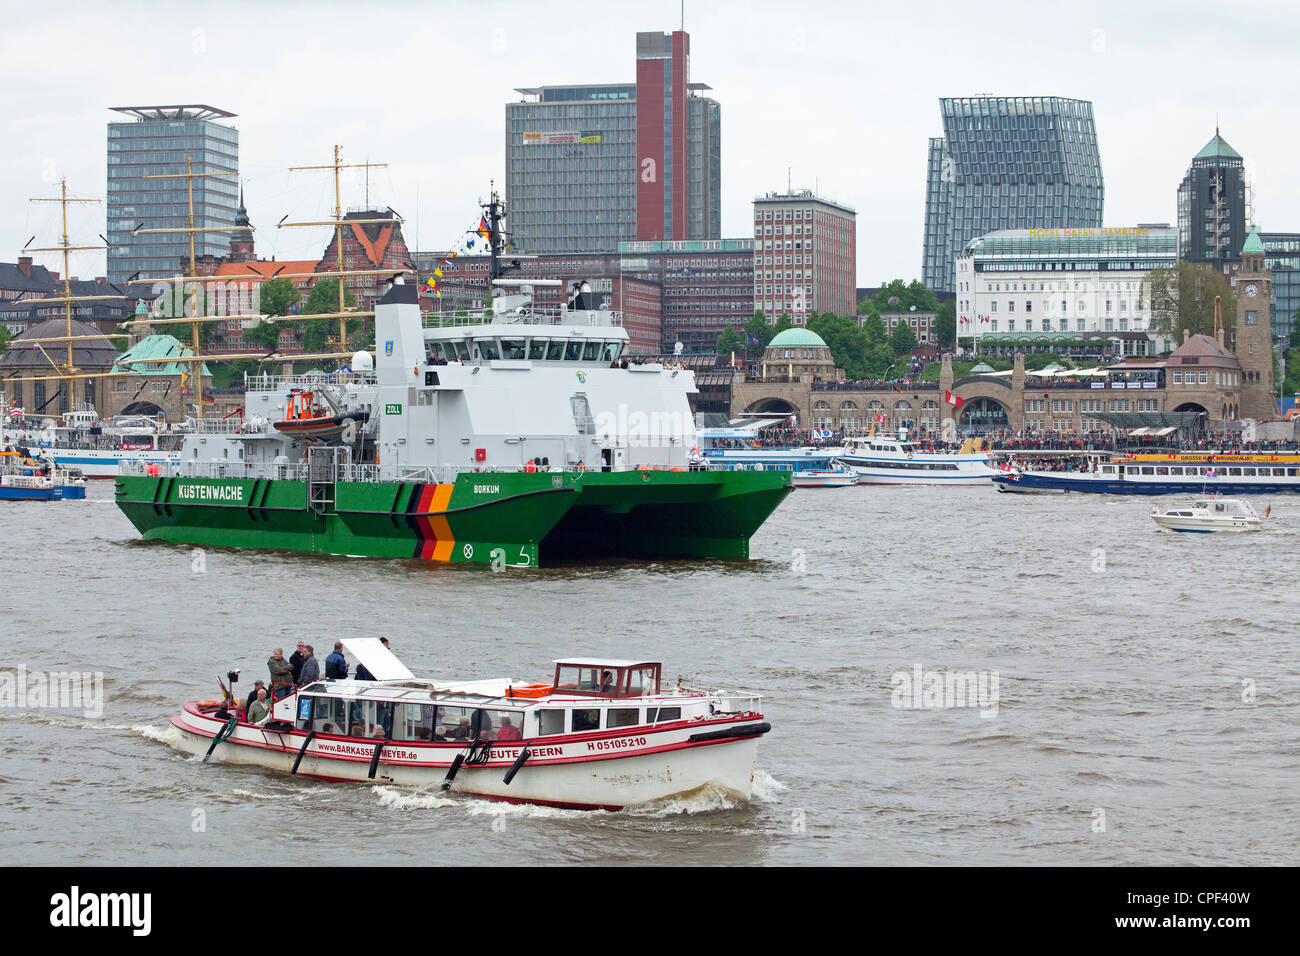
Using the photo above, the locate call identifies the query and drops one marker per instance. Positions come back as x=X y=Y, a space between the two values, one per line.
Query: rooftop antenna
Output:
x=789 y=188
x=683 y=16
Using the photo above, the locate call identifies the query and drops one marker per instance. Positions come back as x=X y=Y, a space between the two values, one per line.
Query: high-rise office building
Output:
x=1008 y=162
x=590 y=166
x=1282 y=260
x=1212 y=205
x=156 y=141
x=805 y=255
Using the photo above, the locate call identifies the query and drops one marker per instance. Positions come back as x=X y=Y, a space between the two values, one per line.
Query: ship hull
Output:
x=654 y=765
x=506 y=519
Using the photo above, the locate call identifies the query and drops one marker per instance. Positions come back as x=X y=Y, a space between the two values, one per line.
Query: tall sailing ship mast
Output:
x=196 y=281
x=338 y=273
x=65 y=372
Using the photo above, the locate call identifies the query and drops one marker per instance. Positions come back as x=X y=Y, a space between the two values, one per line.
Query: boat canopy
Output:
x=377 y=659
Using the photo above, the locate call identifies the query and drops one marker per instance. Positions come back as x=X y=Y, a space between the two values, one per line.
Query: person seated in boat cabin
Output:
x=354 y=730
x=509 y=731
x=336 y=665
x=260 y=709
x=606 y=682
x=462 y=730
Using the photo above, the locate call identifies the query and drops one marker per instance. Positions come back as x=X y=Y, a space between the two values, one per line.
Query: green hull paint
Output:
x=518 y=519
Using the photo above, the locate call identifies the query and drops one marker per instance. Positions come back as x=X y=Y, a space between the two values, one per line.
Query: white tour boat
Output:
x=1209 y=514
x=602 y=734
x=836 y=475
x=883 y=460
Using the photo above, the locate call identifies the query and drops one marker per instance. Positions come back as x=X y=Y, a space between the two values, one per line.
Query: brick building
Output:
x=805 y=256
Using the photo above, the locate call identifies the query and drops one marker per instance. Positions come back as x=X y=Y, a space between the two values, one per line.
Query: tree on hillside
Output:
x=900 y=296
x=945 y=324
x=902 y=339
x=874 y=329
x=757 y=329
x=728 y=342
x=845 y=339
x=1182 y=297
x=323 y=299
x=274 y=298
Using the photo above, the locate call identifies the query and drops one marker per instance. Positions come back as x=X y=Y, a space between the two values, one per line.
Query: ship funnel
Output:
x=399 y=337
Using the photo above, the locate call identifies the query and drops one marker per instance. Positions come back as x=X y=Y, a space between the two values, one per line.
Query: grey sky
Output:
x=845 y=95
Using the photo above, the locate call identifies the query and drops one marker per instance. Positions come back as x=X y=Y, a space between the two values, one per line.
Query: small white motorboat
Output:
x=1209 y=514
x=601 y=734
x=838 y=475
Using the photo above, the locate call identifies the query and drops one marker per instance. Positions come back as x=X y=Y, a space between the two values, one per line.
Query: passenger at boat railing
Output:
x=296 y=661
x=363 y=672
x=259 y=711
x=310 y=667
x=252 y=695
x=336 y=665
x=281 y=671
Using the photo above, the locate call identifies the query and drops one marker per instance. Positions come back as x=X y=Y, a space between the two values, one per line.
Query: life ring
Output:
x=582 y=467
x=209 y=703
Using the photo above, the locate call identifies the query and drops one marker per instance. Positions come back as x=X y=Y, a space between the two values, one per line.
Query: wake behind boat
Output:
x=601 y=734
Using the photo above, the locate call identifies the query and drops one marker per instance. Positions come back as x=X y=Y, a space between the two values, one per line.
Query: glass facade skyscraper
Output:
x=588 y=167
x=156 y=141
x=1282 y=258
x=1008 y=162
x=1212 y=205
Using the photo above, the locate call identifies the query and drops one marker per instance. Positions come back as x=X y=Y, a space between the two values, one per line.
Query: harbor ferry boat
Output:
x=513 y=437
x=884 y=460
x=1167 y=474
x=836 y=475
x=600 y=734
x=97 y=447
x=24 y=478
x=1206 y=515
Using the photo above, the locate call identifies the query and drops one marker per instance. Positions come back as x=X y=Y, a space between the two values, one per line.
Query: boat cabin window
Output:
x=571 y=677
x=318 y=713
x=551 y=721
x=623 y=717
x=462 y=350
x=487 y=348
x=573 y=352
x=512 y=348
x=586 y=719
x=591 y=352
x=458 y=723
x=659 y=715
x=612 y=350
x=642 y=680
x=1248 y=472
x=554 y=351
x=537 y=349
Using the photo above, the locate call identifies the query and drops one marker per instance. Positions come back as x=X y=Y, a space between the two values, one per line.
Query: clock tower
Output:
x=1253 y=340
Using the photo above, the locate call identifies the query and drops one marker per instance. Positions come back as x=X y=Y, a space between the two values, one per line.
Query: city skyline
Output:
x=811 y=106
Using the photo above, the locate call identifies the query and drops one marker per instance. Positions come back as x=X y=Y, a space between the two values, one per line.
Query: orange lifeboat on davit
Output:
x=306 y=418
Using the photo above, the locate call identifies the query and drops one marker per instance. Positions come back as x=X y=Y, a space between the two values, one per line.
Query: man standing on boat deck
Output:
x=259 y=709
x=296 y=661
x=336 y=665
x=310 y=667
x=281 y=671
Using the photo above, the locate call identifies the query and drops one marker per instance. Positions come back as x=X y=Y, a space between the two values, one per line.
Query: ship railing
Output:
x=278 y=382
x=298 y=471
x=533 y=315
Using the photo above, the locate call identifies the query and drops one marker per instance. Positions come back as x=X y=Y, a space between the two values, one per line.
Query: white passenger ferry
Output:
x=601 y=734
x=883 y=460
x=97 y=447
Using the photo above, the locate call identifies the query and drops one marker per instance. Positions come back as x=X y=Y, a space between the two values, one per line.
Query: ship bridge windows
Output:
x=573 y=352
x=537 y=349
x=513 y=348
x=487 y=349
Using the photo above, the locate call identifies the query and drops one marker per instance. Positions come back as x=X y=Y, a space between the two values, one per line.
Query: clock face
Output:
x=1252 y=290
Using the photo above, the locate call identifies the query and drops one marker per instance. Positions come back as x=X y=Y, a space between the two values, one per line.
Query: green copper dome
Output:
x=1253 y=246
x=981 y=369
x=797 y=338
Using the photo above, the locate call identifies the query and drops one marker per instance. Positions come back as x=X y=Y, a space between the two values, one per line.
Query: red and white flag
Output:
x=951 y=399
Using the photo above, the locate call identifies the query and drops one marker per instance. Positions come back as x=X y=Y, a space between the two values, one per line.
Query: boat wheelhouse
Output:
x=601 y=734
